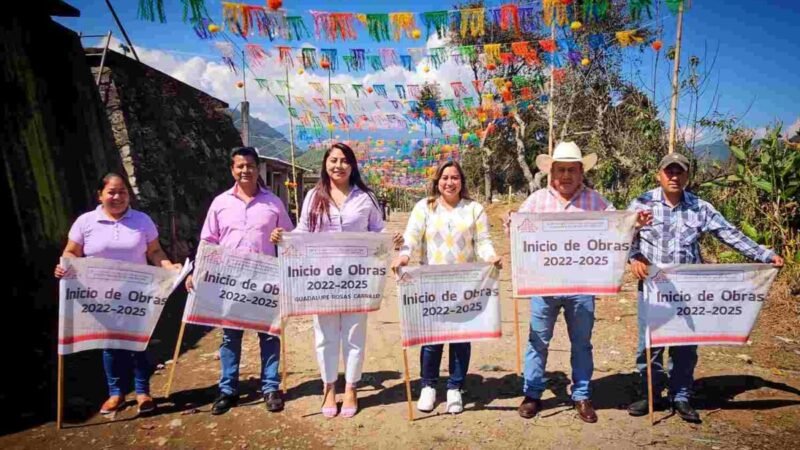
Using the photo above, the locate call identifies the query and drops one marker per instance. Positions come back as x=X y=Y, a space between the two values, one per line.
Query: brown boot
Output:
x=529 y=407
x=586 y=411
x=112 y=405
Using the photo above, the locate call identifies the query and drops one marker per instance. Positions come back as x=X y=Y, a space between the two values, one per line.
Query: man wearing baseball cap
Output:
x=679 y=219
x=566 y=193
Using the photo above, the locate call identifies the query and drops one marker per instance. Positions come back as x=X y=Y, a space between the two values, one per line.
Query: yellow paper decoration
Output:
x=628 y=37
x=557 y=7
x=472 y=22
x=235 y=18
x=362 y=18
x=492 y=52
x=500 y=83
x=402 y=22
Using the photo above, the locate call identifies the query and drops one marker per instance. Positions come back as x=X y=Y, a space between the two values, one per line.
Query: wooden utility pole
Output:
x=673 y=110
x=245 y=106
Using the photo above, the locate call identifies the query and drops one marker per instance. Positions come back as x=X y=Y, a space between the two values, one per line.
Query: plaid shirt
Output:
x=674 y=235
x=549 y=200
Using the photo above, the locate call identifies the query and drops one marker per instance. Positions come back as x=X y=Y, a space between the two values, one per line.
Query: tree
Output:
x=429 y=107
x=590 y=101
x=762 y=189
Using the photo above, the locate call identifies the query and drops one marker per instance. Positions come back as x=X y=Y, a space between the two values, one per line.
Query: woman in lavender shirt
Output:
x=339 y=202
x=116 y=231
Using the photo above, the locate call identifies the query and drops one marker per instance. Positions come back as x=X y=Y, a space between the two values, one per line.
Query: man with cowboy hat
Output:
x=680 y=218
x=566 y=193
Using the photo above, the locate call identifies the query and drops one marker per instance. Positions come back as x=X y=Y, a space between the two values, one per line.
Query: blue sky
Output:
x=755 y=74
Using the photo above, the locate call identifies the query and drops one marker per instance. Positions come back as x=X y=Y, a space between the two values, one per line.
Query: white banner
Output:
x=570 y=253
x=105 y=303
x=330 y=273
x=704 y=304
x=449 y=303
x=235 y=290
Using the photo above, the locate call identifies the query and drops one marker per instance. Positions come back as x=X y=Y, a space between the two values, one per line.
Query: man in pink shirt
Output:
x=565 y=193
x=243 y=218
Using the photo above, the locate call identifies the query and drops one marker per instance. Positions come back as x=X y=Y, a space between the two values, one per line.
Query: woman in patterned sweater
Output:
x=446 y=228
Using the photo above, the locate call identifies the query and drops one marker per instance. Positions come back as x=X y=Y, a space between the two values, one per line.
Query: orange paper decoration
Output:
x=656 y=45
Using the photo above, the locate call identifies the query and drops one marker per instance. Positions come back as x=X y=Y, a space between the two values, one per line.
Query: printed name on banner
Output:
x=449 y=303
x=235 y=290
x=704 y=304
x=332 y=273
x=570 y=253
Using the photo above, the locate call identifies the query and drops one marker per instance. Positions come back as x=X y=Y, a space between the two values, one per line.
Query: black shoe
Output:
x=274 y=401
x=223 y=403
x=639 y=408
x=685 y=411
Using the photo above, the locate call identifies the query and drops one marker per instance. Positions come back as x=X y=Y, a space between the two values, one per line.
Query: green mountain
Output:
x=269 y=141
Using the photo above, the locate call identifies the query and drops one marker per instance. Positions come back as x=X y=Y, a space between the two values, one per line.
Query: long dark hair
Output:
x=320 y=205
x=433 y=190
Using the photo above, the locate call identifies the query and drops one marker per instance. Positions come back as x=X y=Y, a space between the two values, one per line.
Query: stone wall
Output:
x=174 y=141
x=55 y=143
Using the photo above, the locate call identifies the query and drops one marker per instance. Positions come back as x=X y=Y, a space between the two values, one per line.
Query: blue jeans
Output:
x=579 y=315
x=681 y=363
x=118 y=365
x=430 y=358
x=230 y=353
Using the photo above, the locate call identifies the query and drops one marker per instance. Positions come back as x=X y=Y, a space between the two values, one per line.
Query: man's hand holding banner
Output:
x=235 y=290
x=704 y=304
x=570 y=253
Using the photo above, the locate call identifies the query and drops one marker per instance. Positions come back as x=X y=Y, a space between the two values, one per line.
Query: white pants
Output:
x=348 y=331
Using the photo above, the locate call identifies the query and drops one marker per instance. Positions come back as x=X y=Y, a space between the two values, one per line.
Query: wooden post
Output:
x=330 y=106
x=408 y=385
x=245 y=114
x=517 y=335
x=673 y=110
x=103 y=59
x=60 y=393
x=550 y=108
x=283 y=357
x=122 y=29
x=175 y=355
x=291 y=147
x=649 y=379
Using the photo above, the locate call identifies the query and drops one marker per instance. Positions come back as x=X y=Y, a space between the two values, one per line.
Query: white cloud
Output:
x=792 y=129
x=787 y=131
x=208 y=73
x=687 y=133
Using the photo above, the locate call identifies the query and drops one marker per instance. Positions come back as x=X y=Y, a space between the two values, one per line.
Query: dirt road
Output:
x=743 y=405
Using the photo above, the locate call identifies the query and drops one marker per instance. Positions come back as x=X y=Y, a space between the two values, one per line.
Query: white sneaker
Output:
x=454 y=403
x=427 y=399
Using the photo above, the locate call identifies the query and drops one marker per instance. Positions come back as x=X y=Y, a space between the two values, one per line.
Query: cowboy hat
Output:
x=566 y=152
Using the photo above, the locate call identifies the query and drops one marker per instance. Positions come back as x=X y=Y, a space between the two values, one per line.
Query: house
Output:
x=276 y=173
